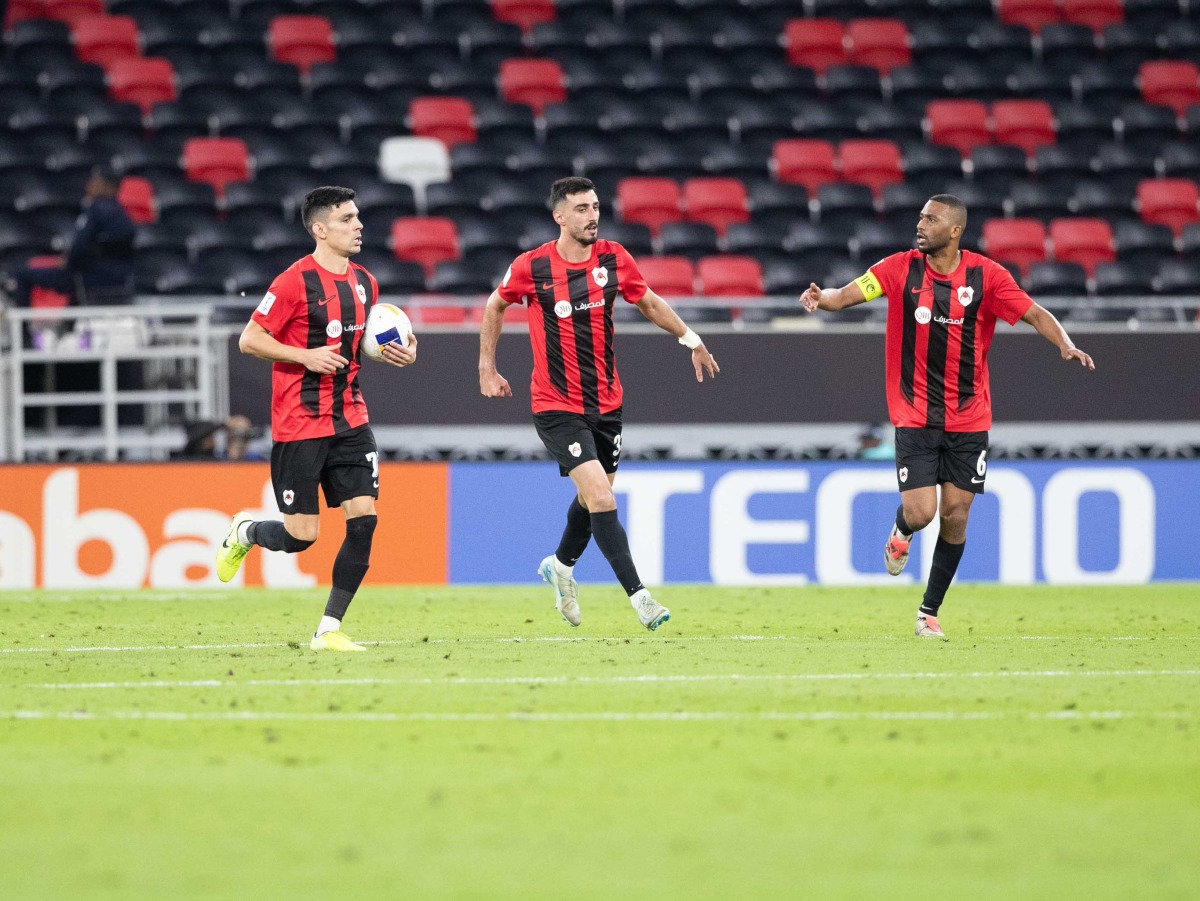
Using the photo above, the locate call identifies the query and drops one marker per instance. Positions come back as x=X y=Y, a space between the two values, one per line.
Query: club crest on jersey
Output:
x=334 y=329
x=903 y=473
x=288 y=497
x=600 y=275
x=562 y=309
x=362 y=294
x=966 y=294
x=575 y=449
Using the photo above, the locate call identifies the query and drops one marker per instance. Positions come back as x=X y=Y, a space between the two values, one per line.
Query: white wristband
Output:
x=690 y=340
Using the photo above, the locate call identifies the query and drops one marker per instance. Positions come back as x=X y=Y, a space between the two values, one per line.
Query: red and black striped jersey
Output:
x=571 y=323
x=309 y=306
x=939 y=330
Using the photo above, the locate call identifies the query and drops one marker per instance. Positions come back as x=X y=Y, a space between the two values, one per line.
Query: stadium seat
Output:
x=1118 y=279
x=873 y=241
x=718 y=202
x=425 y=240
x=649 y=201
x=1095 y=14
x=216 y=161
x=998 y=167
x=1144 y=244
x=71 y=11
x=1123 y=166
x=1180 y=159
x=1032 y=14
x=525 y=13
x=414 y=161
x=1100 y=199
x=1055 y=280
x=1064 y=47
x=301 y=41
x=1017 y=241
x=687 y=239
x=1168 y=201
x=842 y=205
x=852 y=86
x=1028 y=124
x=103 y=39
x=882 y=44
x=961 y=124
x=929 y=167
x=533 y=82
x=874 y=163
x=816 y=43
x=143 y=81
x=669 y=276
x=136 y=195
x=449 y=119
x=1174 y=83
x=730 y=276
x=1083 y=241
x=804 y=161
x=1180 y=278
x=1148 y=126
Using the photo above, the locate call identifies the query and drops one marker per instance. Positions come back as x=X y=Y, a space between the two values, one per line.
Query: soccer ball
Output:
x=386 y=323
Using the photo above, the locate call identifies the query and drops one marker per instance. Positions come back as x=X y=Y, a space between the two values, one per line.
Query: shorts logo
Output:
x=562 y=309
x=334 y=329
x=362 y=294
x=966 y=294
x=288 y=497
x=268 y=301
x=600 y=275
x=903 y=473
x=922 y=315
x=575 y=449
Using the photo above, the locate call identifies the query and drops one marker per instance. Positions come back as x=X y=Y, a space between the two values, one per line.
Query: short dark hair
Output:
x=319 y=200
x=957 y=206
x=565 y=187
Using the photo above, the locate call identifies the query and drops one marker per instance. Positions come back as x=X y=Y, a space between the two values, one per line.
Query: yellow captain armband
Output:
x=869 y=285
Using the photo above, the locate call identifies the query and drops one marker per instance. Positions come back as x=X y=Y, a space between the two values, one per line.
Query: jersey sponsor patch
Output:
x=869 y=285
x=264 y=305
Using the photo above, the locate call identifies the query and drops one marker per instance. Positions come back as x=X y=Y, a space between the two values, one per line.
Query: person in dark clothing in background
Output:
x=100 y=258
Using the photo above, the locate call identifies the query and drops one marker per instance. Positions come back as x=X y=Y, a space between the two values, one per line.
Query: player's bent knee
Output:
x=294 y=545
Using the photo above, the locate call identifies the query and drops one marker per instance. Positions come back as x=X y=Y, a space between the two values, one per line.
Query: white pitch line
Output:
x=600 y=716
x=608 y=639
x=602 y=680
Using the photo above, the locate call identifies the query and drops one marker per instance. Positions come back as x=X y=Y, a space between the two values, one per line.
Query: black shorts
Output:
x=345 y=466
x=926 y=457
x=574 y=438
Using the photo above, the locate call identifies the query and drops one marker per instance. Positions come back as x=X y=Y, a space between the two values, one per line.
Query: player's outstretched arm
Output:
x=491 y=382
x=1048 y=326
x=816 y=298
x=258 y=342
x=660 y=313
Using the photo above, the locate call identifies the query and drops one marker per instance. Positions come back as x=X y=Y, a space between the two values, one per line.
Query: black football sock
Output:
x=614 y=544
x=576 y=535
x=351 y=564
x=901 y=523
x=945 y=565
x=271 y=534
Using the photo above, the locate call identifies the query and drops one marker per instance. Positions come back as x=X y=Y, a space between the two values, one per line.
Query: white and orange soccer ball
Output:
x=386 y=324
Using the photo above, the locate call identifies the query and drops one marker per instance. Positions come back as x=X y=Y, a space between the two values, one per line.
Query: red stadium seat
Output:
x=45 y=298
x=71 y=10
x=533 y=82
x=1032 y=14
x=449 y=119
x=136 y=195
x=873 y=163
x=716 y=201
x=1028 y=124
x=961 y=124
x=103 y=39
x=1173 y=83
x=427 y=240
x=880 y=43
x=21 y=10
x=142 y=80
x=1168 y=201
x=815 y=43
x=1095 y=14
x=649 y=201
x=216 y=161
x=1017 y=241
x=525 y=13
x=730 y=276
x=1083 y=241
x=804 y=161
x=669 y=276
x=301 y=41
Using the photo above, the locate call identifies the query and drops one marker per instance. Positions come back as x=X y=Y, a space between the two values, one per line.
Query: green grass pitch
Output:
x=766 y=743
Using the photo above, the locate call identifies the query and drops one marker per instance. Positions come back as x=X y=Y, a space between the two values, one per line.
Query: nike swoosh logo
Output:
x=975 y=481
x=546 y=286
x=326 y=300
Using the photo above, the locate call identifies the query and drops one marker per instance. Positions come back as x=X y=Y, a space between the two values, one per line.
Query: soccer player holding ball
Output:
x=309 y=326
x=943 y=304
x=570 y=286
